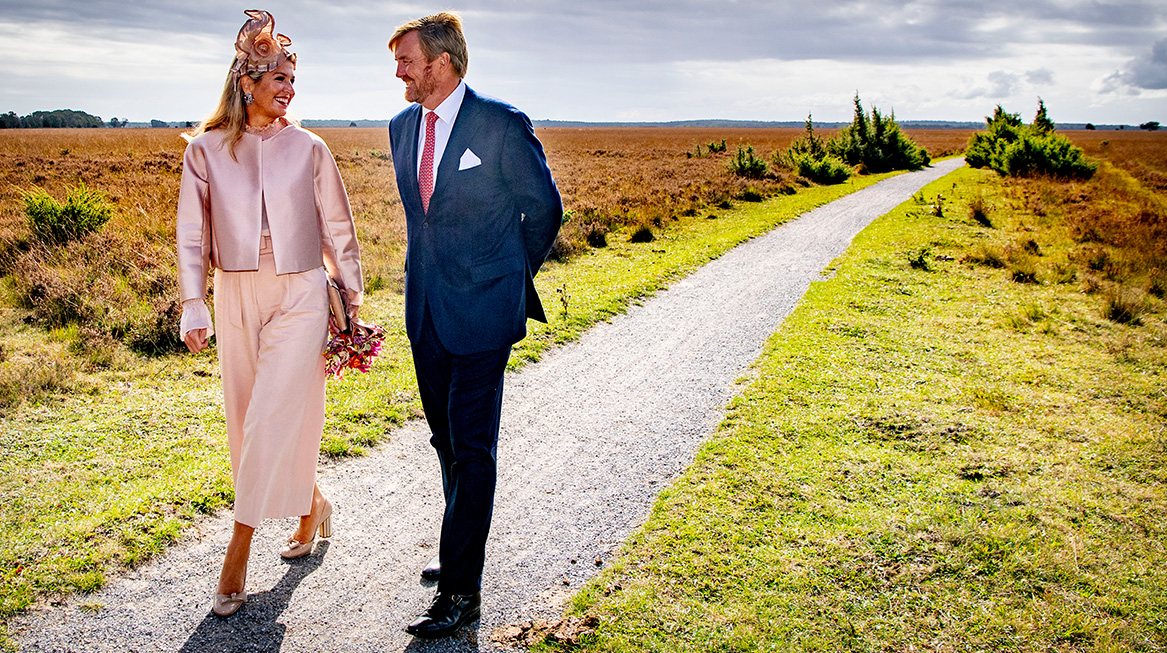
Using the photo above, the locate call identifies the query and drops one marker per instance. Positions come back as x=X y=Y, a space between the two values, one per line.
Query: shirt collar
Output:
x=448 y=110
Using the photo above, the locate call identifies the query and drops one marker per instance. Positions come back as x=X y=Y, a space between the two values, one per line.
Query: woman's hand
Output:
x=196 y=340
x=353 y=306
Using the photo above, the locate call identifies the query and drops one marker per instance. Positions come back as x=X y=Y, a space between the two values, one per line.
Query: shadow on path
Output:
x=257 y=622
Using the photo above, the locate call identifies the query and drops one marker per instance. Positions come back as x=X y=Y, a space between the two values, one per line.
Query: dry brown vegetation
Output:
x=612 y=179
x=1141 y=153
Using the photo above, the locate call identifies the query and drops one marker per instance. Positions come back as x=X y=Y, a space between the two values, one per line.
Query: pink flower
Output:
x=355 y=350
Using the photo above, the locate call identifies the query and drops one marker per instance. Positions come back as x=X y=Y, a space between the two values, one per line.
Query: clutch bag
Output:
x=338 y=306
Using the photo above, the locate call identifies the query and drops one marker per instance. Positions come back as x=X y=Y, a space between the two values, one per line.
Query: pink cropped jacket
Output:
x=221 y=203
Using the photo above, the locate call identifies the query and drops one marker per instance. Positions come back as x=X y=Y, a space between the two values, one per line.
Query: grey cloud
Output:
x=1001 y=84
x=163 y=18
x=1040 y=77
x=1112 y=83
x=1150 y=72
x=607 y=32
x=1145 y=72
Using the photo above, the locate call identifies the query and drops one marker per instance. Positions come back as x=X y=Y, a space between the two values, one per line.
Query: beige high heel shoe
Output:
x=227 y=604
x=297 y=549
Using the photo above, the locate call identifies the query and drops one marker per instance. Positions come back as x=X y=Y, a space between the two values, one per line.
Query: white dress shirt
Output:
x=447 y=112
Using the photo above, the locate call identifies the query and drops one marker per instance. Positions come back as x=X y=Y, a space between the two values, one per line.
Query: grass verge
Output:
x=928 y=458
x=104 y=476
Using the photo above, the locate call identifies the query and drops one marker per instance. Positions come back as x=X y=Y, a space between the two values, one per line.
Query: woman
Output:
x=263 y=203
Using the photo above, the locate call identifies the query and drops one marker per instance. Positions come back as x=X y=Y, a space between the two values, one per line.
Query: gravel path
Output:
x=590 y=435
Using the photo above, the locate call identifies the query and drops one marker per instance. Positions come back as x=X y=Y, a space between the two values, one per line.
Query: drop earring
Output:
x=248 y=98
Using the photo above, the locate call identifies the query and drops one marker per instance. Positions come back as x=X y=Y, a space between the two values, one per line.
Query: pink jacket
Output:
x=221 y=202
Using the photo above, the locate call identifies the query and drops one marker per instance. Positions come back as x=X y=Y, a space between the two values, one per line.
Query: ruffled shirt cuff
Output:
x=195 y=315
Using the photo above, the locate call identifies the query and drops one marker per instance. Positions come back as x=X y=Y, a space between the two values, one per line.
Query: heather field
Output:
x=614 y=180
x=611 y=177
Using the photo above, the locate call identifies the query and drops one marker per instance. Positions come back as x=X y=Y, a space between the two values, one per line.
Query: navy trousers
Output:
x=462 y=399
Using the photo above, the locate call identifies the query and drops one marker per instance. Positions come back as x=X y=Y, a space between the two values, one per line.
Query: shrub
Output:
x=643 y=234
x=751 y=194
x=876 y=144
x=810 y=158
x=827 y=170
x=565 y=247
x=53 y=223
x=1101 y=260
x=747 y=164
x=1124 y=307
x=919 y=259
x=123 y=286
x=978 y=210
x=582 y=228
x=1046 y=154
x=715 y=147
x=985 y=256
x=1014 y=149
x=1023 y=270
x=1041 y=121
x=596 y=234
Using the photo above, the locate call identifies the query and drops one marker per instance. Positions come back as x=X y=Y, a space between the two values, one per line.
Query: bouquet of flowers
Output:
x=354 y=349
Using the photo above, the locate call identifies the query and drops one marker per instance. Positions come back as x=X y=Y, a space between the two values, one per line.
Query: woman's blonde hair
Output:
x=231 y=114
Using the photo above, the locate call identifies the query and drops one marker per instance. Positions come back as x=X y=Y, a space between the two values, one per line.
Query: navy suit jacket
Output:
x=473 y=257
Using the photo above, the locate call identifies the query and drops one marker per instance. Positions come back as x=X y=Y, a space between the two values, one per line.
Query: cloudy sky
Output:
x=1095 y=61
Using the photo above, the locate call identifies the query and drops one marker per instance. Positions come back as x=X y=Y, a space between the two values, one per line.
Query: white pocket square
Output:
x=468 y=160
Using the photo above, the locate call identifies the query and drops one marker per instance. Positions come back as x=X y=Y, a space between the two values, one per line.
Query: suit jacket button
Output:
x=425 y=225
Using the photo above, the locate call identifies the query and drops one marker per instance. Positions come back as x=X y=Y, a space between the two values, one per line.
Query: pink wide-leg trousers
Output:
x=271 y=330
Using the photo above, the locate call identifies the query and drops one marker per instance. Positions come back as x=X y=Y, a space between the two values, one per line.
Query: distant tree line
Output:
x=58 y=118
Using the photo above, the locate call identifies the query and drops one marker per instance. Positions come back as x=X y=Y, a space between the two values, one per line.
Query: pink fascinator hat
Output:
x=258 y=48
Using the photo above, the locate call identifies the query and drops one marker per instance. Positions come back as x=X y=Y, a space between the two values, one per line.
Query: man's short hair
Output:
x=438 y=33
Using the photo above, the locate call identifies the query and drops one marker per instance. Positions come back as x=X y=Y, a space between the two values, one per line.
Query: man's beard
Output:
x=421 y=88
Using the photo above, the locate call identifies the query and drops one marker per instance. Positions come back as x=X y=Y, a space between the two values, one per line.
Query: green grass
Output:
x=925 y=459
x=102 y=470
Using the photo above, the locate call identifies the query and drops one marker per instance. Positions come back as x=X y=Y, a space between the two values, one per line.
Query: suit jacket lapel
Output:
x=410 y=127
x=465 y=126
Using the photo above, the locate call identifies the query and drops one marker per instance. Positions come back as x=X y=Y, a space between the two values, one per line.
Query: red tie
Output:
x=425 y=177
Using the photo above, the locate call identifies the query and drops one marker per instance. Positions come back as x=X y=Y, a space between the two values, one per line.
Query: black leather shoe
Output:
x=446 y=615
x=433 y=570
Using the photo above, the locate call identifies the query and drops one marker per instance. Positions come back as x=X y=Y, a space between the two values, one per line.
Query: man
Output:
x=482 y=212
